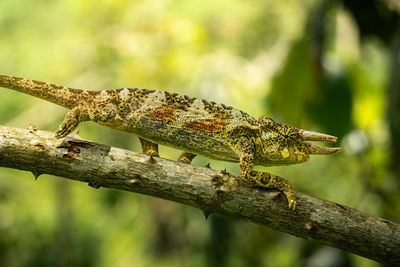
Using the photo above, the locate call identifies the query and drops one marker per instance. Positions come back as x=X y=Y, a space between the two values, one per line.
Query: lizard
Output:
x=195 y=126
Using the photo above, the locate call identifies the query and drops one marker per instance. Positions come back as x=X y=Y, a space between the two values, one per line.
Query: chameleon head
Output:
x=282 y=144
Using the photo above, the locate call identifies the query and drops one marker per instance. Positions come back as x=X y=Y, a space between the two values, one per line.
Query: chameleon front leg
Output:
x=266 y=180
x=263 y=179
x=186 y=157
x=149 y=148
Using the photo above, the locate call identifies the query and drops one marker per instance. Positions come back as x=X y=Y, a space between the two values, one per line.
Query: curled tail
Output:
x=60 y=95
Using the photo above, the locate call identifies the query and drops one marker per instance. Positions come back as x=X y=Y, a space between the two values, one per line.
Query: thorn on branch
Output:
x=75 y=135
x=206 y=214
x=36 y=174
x=94 y=184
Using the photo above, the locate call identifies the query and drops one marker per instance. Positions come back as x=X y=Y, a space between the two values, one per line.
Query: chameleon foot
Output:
x=152 y=153
x=60 y=133
x=71 y=121
x=186 y=157
x=270 y=181
x=263 y=179
x=149 y=148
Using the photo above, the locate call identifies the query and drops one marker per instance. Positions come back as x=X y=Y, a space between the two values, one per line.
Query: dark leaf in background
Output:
x=332 y=109
x=374 y=18
x=293 y=89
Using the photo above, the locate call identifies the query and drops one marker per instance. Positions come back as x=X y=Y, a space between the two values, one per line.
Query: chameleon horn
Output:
x=320 y=150
x=313 y=136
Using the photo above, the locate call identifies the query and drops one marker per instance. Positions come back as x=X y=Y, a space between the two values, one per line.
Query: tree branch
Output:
x=211 y=191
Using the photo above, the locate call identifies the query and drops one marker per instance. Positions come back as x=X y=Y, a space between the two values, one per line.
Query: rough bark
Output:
x=211 y=191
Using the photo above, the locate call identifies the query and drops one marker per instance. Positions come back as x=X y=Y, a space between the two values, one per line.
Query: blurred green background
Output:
x=322 y=65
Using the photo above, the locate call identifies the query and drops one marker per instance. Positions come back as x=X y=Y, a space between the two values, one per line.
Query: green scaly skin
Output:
x=198 y=127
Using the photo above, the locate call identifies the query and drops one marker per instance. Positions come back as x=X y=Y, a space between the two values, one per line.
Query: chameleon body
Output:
x=195 y=126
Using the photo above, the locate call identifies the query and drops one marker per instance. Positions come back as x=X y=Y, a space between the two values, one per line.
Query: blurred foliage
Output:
x=295 y=85
x=322 y=65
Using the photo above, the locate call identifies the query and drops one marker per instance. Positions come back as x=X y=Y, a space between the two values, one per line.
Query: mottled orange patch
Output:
x=206 y=125
x=164 y=114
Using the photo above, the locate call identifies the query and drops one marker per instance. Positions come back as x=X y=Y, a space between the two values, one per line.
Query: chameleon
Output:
x=195 y=126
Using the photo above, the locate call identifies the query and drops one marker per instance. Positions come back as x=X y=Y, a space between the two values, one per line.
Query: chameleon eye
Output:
x=288 y=133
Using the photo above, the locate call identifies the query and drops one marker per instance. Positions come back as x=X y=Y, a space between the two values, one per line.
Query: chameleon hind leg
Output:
x=149 y=148
x=262 y=179
x=84 y=113
x=71 y=121
x=186 y=157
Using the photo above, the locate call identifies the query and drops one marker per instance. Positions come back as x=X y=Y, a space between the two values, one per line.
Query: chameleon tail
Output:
x=60 y=95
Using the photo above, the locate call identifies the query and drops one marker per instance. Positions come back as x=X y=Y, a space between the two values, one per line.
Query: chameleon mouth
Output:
x=320 y=150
